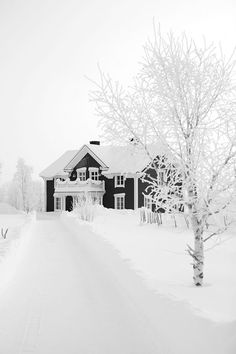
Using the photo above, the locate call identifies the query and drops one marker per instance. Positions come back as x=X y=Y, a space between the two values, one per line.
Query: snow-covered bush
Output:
x=85 y=207
x=149 y=217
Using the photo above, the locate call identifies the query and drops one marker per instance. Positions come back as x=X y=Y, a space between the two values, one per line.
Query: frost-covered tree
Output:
x=37 y=196
x=85 y=207
x=23 y=192
x=21 y=187
x=4 y=192
x=183 y=97
x=34 y=195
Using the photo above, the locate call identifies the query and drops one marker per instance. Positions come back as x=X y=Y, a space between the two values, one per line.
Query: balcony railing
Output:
x=79 y=186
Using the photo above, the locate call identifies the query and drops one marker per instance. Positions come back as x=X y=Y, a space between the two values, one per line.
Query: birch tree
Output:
x=184 y=98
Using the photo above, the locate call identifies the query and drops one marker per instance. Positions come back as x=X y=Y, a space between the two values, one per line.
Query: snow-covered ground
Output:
x=13 y=247
x=8 y=209
x=72 y=293
x=159 y=255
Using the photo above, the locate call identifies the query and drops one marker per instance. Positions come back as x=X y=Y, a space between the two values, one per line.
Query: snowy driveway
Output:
x=74 y=295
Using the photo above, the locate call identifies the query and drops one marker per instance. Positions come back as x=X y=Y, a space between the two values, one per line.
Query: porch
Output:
x=68 y=193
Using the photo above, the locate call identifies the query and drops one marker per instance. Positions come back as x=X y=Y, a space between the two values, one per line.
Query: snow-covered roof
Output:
x=57 y=167
x=113 y=159
x=126 y=159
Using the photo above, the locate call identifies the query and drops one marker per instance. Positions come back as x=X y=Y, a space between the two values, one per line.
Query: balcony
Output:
x=68 y=187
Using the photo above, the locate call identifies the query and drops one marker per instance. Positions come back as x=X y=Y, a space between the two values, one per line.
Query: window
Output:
x=58 y=203
x=162 y=176
x=147 y=202
x=81 y=174
x=119 y=181
x=100 y=200
x=119 y=201
x=94 y=173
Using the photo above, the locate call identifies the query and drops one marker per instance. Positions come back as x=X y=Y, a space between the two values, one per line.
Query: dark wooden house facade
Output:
x=110 y=175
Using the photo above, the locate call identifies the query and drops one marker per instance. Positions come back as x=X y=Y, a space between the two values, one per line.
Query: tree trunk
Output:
x=198 y=255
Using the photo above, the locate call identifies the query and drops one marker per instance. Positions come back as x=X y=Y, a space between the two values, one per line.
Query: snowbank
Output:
x=13 y=248
x=158 y=255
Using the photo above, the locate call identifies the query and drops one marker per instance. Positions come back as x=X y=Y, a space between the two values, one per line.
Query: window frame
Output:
x=82 y=171
x=94 y=171
x=60 y=203
x=121 y=197
x=117 y=178
x=162 y=176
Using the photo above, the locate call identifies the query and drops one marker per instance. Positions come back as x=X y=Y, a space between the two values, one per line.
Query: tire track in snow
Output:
x=31 y=332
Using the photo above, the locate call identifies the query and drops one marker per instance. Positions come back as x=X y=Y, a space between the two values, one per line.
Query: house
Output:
x=110 y=175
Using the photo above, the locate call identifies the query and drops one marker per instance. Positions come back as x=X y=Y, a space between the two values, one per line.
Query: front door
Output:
x=69 y=203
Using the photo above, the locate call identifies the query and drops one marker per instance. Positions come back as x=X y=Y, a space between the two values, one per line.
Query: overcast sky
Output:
x=48 y=47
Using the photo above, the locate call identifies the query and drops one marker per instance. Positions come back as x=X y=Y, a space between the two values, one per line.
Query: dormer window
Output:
x=119 y=181
x=94 y=173
x=81 y=173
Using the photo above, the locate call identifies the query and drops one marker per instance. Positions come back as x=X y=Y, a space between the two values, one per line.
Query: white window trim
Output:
x=119 y=195
x=55 y=204
x=116 y=181
x=93 y=169
x=83 y=170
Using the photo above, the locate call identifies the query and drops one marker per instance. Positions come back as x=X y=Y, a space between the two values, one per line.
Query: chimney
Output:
x=94 y=142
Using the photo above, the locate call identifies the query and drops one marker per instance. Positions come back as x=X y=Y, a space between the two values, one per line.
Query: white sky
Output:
x=48 y=47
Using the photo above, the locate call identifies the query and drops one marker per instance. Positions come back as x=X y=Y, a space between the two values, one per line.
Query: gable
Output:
x=87 y=161
x=84 y=156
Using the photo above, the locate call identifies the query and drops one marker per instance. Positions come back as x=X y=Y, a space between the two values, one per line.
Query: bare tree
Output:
x=184 y=98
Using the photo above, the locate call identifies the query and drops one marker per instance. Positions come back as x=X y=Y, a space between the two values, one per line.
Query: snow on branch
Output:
x=184 y=98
